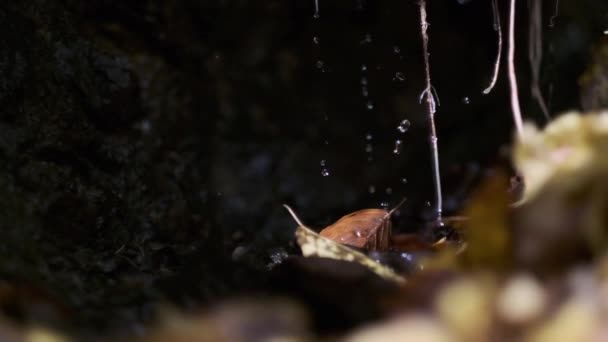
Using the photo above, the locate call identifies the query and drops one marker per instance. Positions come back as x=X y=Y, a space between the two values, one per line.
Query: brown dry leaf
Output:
x=313 y=244
x=369 y=229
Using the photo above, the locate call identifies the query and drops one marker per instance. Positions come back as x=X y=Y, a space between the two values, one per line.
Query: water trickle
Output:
x=399 y=76
x=316 y=15
x=466 y=100
x=397 y=149
x=316 y=40
x=404 y=125
x=370 y=105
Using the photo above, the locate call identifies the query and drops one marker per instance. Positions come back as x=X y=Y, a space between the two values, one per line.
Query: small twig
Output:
x=431 y=108
x=498 y=29
x=535 y=54
x=515 y=108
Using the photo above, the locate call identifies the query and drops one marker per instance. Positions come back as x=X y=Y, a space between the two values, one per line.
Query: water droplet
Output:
x=364 y=92
x=397 y=149
x=427 y=203
x=315 y=40
x=320 y=64
x=384 y=205
x=323 y=162
x=358 y=233
x=367 y=39
x=396 y=49
x=326 y=142
x=466 y=100
x=372 y=189
x=363 y=67
x=399 y=76
x=404 y=125
x=388 y=191
x=363 y=81
x=368 y=136
x=370 y=105
x=369 y=148
x=606 y=32
x=404 y=180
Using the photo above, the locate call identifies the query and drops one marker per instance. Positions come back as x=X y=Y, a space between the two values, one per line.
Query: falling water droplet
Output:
x=384 y=205
x=372 y=189
x=315 y=40
x=369 y=148
x=367 y=39
x=404 y=125
x=370 y=105
x=404 y=180
x=324 y=169
x=363 y=81
x=320 y=64
x=466 y=100
x=397 y=149
x=389 y=191
x=369 y=136
x=396 y=49
x=364 y=92
x=326 y=142
x=399 y=76
x=363 y=67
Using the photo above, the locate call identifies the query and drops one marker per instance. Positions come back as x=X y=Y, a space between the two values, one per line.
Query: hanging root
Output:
x=498 y=29
x=431 y=108
x=515 y=108
x=535 y=54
